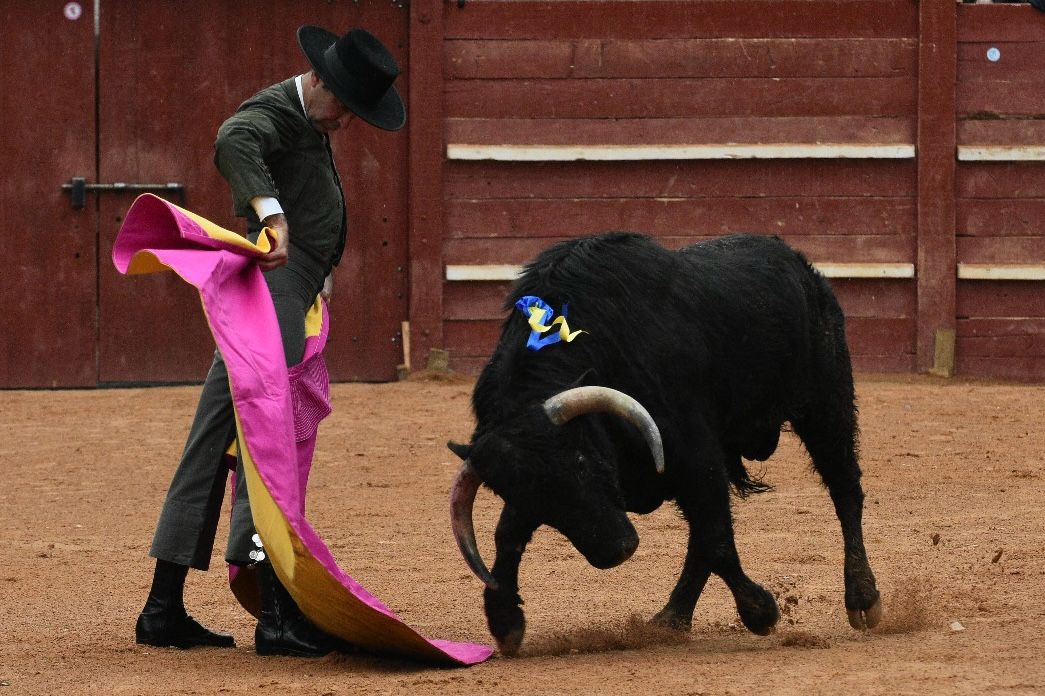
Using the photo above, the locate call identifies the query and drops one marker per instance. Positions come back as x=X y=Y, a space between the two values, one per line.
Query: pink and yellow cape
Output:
x=159 y=236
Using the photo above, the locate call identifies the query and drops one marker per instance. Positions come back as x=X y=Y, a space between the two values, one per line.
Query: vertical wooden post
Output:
x=937 y=255
x=425 y=122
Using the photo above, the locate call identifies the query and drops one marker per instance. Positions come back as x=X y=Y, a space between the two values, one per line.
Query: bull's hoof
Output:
x=862 y=620
x=669 y=619
x=506 y=620
x=758 y=611
x=509 y=644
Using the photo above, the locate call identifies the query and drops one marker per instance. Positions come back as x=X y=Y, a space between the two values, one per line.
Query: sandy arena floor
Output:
x=955 y=528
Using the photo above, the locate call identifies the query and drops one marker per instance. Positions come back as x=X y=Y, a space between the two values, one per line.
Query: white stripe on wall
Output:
x=1001 y=271
x=1001 y=153
x=504 y=272
x=564 y=153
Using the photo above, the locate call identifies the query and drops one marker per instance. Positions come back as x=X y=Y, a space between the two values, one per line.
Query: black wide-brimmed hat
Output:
x=359 y=70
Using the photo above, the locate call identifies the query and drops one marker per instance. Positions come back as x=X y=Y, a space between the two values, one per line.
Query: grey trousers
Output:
x=189 y=519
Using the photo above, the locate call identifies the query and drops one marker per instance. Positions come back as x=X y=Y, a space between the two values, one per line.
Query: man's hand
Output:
x=328 y=287
x=280 y=252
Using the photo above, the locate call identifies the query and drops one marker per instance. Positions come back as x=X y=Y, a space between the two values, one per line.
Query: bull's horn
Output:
x=462 y=497
x=567 y=405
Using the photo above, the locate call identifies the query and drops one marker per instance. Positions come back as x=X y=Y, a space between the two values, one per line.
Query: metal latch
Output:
x=78 y=188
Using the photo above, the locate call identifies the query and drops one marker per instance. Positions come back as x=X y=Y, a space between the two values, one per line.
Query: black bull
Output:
x=708 y=351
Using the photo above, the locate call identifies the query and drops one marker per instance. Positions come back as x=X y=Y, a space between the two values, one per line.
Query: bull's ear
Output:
x=462 y=451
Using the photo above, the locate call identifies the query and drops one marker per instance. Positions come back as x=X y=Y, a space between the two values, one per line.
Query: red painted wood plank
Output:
x=880 y=336
x=840 y=248
x=1002 y=249
x=1001 y=180
x=505 y=19
x=869 y=364
x=868 y=297
x=977 y=23
x=680 y=179
x=475 y=300
x=785 y=216
x=1023 y=369
x=1002 y=338
x=1009 y=97
x=1013 y=61
x=1001 y=132
x=1005 y=326
x=937 y=52
x=726 y=57
x=1010 y=346
x=425 y=172
x=687 y=131
x=1002 y=217
x=674 y=98
x=471 y=337
x=1001 y=299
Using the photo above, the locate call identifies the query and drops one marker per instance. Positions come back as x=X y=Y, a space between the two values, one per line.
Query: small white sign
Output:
x=993 y=55
x=73 y=11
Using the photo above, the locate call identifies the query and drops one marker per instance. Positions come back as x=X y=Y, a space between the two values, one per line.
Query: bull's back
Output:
x=777 y=326
x=741 y=310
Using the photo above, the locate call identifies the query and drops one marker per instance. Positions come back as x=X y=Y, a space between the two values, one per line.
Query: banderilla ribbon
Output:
x=537 y=311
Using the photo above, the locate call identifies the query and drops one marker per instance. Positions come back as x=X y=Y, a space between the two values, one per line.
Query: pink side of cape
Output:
x=232 y=287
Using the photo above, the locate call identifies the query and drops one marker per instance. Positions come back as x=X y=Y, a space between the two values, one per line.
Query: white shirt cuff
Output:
x=265 y=206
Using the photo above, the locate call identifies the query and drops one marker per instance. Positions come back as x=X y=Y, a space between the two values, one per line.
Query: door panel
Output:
x=48 y=323
x=161 y=100
x=168 y=82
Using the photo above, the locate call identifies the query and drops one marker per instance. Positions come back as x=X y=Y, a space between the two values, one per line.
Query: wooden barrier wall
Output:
x=1000 y=192
x=688 y=120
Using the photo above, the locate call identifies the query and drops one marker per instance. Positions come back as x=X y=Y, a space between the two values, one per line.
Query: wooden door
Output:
x=47 y=285
x=170 y=73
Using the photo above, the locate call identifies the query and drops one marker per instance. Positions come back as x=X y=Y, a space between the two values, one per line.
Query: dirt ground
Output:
x=955 y=528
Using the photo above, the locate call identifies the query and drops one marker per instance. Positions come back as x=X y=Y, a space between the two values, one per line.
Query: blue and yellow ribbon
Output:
x=537 y=311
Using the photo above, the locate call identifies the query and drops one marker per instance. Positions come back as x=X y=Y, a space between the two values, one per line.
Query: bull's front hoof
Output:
x=506 y=620
x=868 y=618
x=668 y=618
x=509 y=644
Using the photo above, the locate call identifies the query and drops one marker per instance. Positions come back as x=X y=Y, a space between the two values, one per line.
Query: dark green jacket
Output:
x=268 y=148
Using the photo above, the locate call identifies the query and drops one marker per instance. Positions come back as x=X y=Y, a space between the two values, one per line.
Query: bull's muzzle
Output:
x=560 y=409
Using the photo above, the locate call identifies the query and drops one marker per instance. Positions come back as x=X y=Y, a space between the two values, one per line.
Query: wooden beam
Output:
x=425 y=122
x=508 y=272
x=936 y=142
x=865 y=270
x=998 y=271
x=565 y=153
x=1001 y=153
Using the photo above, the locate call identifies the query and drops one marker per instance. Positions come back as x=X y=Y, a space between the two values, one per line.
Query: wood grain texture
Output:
x=659 y=179
x=517 y=250
x=677 y=98
x=666 y=58
x=670 y=19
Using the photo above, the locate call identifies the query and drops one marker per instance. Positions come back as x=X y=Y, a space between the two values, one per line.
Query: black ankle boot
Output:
x=164 y=623
x=282 y=628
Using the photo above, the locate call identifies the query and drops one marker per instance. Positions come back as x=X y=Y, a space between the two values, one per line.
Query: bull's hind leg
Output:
x=704 y=501
x=829 y=434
